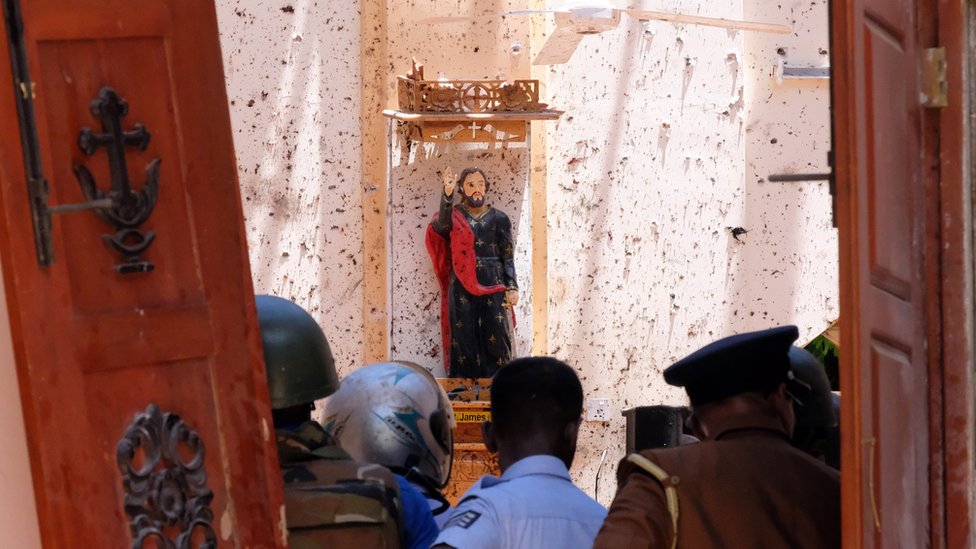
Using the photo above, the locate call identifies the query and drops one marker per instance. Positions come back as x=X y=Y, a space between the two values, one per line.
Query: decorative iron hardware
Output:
x=797 y=177
x=129 y=209
x=935 y=87
x=120 y=207
x=24 y=87
x=161 y=462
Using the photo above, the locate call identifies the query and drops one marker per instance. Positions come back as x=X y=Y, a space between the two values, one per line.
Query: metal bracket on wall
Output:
x=828 y=177
x=813 y=73
x=120 y=207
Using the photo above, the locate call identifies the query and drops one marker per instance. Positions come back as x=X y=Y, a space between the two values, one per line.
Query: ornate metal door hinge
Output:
x=935 y=89
x=128 y=209
x=121 y=207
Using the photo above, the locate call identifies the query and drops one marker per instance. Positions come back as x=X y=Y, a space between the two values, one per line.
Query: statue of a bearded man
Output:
x=471 y=246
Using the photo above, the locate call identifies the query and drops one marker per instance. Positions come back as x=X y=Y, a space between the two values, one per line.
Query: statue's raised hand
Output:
x=450 y=181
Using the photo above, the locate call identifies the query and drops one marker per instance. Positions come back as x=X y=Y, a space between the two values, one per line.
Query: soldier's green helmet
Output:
x=297 y=356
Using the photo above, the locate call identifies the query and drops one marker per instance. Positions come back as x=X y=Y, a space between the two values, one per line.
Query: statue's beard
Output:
x=472 y=201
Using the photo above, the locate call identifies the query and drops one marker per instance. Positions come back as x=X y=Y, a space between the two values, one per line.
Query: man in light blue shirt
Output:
x=536 y=407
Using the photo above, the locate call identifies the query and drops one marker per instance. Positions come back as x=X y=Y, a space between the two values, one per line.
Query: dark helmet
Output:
x=815 y=431
x=817 y=406
x=297 y=356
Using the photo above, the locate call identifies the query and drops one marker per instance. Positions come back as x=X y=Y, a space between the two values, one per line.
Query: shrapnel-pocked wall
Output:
x=669 y=135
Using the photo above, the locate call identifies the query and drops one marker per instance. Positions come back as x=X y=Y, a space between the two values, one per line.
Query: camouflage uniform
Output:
x=333 y=501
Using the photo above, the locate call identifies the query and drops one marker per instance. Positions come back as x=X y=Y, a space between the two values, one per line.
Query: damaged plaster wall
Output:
x=666 y=142
x=791 y=248
x=645 y=170
x=293 y=81
x=656 y=160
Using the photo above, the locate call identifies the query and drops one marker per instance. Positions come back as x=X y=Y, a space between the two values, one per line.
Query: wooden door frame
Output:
x=842 y=91
x=949 y=287
x=955 y=280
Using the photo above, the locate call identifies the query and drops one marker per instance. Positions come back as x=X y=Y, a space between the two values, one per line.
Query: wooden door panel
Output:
x=880 y=152
x=892 y=151
x=95 y=347
x=56 y=19
x=900 y=460
x=115 y=340
x=897 y=15
x=157 y=317
x=63 y=68
x=183 y=386
x=893 y=361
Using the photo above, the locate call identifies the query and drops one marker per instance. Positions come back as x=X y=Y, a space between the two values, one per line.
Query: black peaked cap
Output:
x=753 y=361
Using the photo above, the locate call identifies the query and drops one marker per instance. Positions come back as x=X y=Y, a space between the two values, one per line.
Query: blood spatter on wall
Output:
x=293 y=83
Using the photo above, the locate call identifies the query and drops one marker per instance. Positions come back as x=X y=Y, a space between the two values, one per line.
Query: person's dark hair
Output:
x=468 y=171
x=535 y=393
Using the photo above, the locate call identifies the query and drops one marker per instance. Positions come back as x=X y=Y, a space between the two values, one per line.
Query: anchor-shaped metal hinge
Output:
x=129 y=209
x=120 y=206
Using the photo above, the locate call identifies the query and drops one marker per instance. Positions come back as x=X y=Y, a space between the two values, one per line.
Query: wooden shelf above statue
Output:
x=468 y=111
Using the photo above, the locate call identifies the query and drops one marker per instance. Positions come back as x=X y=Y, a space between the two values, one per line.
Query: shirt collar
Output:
x=734 y=425
x=537 y=465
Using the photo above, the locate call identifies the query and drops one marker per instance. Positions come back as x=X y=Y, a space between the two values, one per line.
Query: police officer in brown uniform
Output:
x=744 y=485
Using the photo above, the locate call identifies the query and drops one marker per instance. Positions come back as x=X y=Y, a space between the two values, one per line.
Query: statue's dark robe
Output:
x=473 y=258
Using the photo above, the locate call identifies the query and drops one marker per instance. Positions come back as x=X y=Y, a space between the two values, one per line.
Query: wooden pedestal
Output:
x=471 y=458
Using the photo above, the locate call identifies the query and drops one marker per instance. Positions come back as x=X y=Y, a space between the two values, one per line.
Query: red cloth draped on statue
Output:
x=462 y=257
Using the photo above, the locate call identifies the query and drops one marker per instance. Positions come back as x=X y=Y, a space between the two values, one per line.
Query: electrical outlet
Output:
x=597 y=409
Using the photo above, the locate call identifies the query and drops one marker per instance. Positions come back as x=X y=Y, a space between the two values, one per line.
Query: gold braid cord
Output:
x=668 y=482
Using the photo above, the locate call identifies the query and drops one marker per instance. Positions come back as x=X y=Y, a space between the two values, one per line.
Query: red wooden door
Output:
x=94 y=347
x=884 y=151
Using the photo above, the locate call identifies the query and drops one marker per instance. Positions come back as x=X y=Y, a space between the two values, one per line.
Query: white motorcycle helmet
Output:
x=394 y=414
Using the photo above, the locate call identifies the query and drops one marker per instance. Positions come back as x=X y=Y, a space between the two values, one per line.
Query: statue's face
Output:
x=473 y=189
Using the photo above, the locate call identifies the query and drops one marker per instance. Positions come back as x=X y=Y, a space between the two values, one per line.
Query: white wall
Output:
x=646 y=170
x=18 y=510
x=293 y=80
x=793 y=252
x=666 y=135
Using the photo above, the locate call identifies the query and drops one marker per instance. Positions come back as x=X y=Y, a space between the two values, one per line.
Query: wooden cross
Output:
x=474 y=129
